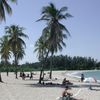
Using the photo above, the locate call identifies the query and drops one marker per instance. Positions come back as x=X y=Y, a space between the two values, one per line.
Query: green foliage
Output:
x=5 y=8
x=55 y=32
x=16 y=42
x=59 y=63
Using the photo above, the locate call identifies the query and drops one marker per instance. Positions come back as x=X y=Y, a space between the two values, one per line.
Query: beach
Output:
x=18 y=89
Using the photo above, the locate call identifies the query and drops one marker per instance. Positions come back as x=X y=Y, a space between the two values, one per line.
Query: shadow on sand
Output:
x=45 y=85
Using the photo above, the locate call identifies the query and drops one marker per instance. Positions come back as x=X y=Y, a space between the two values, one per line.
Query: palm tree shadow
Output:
x=95 y=89
x=28 y=79
x=45 y=85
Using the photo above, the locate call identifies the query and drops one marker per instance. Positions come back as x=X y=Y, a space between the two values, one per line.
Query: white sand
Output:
x=18 y=89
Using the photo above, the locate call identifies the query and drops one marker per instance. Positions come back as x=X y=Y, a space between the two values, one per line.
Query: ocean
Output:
x=94 y=73
x=87 y=73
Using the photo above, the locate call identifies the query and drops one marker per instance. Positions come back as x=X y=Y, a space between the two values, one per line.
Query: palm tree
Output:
x=5 y=50
x=20 y=53
x=17 y=44
x=5 y=7
x=40 y=48
x=54 y=28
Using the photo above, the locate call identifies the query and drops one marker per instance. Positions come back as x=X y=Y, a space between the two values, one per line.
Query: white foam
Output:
x=73 y=74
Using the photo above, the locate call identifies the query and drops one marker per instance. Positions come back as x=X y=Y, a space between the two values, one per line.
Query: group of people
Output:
x=66 y=94
x=23 y=75
x=67 y=82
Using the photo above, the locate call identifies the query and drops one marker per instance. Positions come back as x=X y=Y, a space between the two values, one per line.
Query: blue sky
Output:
x=83 y=27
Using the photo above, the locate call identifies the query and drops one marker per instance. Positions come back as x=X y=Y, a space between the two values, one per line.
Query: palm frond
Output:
x=2 y=12
x=63 y=9
x=68 y=15
x=7 y=7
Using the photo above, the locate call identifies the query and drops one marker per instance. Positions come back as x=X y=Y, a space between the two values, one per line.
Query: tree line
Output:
x=60 y=62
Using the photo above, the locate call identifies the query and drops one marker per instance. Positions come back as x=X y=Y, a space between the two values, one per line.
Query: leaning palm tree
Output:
x=5 y=50
x=40 y=48
x=55 y=29
x=15 y=34
x=5 y=7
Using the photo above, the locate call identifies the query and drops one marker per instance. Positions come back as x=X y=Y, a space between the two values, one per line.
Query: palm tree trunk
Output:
x=41 y=78
x=6 y=65
x=41 y=72
x=51 y=64
x=0 y=78
x=50 y=74
x=16 y=65
x=7 y=73
x=43 y=75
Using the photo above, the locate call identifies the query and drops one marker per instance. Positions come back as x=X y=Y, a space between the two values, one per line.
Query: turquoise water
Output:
x=90 y=73
x=94 y=73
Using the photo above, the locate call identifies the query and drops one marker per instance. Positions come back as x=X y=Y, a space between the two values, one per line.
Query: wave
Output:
x=73 y=74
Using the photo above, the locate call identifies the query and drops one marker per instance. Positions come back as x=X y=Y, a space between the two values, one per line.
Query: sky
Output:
x=84 y=26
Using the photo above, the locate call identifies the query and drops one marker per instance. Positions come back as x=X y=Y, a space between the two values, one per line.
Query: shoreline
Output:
x=75 y=74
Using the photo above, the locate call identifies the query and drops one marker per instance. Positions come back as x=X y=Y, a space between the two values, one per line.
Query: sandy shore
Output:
x=18 y=89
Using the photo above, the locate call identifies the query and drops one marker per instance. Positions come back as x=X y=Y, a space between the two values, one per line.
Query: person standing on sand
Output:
x=82 y=77
x=23 y=76
x=31 y=75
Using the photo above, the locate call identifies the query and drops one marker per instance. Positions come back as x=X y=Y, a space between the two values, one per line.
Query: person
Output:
x=66 y=94
x=82 y=77
x=66 y=82
x=31 y=75
x=23 y=76
x=27 y=75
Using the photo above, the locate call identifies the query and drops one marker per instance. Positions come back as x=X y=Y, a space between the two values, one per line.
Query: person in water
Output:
x=82 y=77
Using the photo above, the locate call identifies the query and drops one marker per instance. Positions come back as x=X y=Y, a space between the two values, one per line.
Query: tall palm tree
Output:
x=5 y=50
x=5 y=7
x=54 y=28
x=16 y=42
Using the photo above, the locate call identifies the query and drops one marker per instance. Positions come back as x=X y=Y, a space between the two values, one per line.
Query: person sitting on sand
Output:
x=65 y=82
x=67 y=95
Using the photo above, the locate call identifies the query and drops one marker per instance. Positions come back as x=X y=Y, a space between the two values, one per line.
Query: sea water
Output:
x=94 y=73
x=90 y=73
